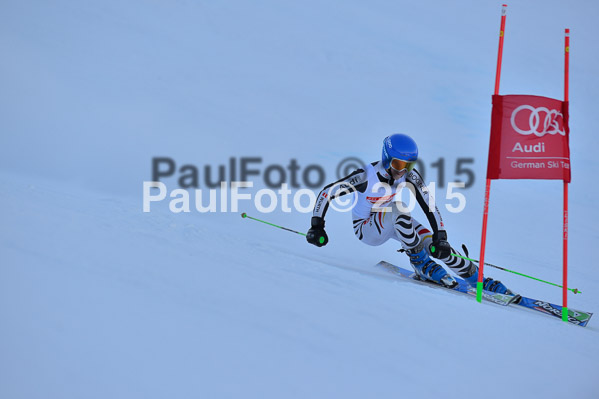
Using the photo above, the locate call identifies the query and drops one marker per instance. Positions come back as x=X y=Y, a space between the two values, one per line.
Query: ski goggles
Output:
x=400 y=164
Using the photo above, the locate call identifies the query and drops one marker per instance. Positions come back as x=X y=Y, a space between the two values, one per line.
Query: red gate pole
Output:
x=500 y=51
x=479 y=284
x=565 y=249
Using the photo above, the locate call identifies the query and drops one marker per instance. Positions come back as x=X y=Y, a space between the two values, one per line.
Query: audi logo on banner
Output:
x=541 y=121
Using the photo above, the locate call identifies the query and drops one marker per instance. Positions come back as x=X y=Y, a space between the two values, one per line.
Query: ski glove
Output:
x=440 y=248
x=316 y=235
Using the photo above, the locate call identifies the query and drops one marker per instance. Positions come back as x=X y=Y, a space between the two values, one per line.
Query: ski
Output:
x=462 y=287
x=575 y=317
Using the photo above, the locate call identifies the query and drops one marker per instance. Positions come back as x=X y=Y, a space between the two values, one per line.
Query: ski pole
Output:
x=245 y=215
x=574 y=290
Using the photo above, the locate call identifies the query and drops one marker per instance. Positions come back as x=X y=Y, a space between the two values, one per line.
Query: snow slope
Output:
x=98 y=299
x=113 y=303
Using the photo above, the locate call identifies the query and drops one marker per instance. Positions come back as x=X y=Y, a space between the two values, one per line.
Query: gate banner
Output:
x=529 y=138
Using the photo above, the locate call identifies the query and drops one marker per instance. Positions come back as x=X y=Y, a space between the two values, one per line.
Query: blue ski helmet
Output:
x=399 y=146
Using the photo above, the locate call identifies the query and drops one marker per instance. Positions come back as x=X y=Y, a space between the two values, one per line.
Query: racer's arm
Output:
x=423 y=196
x=356 y=181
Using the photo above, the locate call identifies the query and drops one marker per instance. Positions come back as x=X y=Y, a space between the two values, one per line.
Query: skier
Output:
x=376 y=219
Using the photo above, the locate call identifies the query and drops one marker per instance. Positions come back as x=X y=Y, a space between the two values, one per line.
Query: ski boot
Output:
x=427 y=269
x=488 y=284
